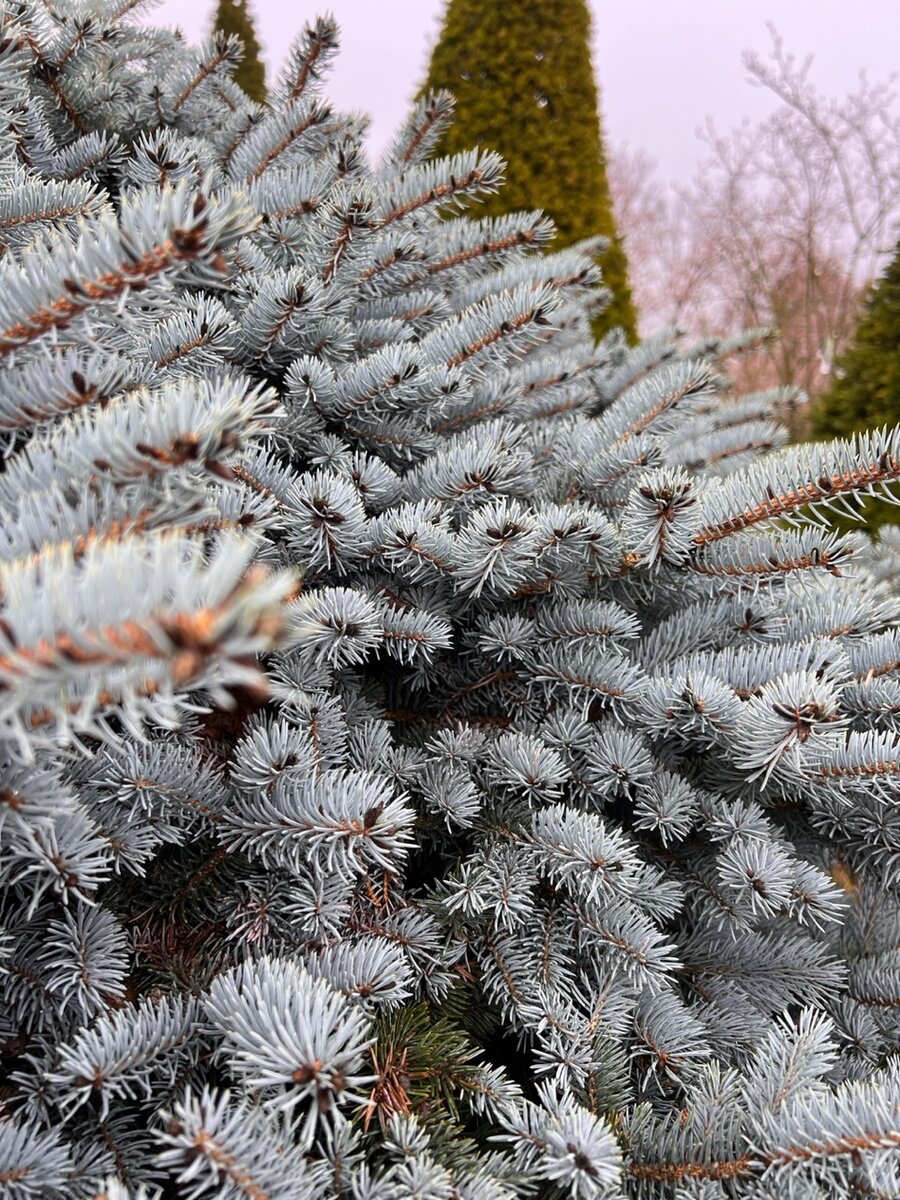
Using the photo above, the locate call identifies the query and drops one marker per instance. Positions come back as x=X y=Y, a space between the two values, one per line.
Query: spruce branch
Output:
x=183 y=227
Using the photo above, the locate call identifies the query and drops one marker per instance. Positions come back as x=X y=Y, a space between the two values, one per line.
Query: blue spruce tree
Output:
x=441 y=756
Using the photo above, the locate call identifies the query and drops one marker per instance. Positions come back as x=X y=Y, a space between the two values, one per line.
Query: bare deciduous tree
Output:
x=783 y=225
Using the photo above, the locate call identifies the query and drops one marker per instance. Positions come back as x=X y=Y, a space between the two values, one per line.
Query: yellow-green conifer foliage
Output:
x=524 y=84
x=233 y=16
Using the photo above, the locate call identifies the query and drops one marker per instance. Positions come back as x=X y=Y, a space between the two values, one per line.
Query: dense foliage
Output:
x=440 y=756
x=865 y=391
x=524 y=86
x=233 y=17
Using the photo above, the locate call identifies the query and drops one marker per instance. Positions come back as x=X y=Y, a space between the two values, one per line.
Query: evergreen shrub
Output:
x=865 y=391
x=441 y=757
x=523 y=81
x=233 y=17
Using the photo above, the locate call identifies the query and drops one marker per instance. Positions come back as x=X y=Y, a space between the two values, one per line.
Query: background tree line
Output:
x=786 y=224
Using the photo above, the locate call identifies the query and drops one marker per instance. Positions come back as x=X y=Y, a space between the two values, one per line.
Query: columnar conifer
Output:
x=233 y=17
x=865 y=392
x=524 y=84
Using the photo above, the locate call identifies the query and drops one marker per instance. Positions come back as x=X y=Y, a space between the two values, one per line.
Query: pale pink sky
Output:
x=663 y=65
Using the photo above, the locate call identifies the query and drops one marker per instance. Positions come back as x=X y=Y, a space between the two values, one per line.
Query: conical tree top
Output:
x=866 y=389
x=233 y=16
x=524 y=84
x=865 y=392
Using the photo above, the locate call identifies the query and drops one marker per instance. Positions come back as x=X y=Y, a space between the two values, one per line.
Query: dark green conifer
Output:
x=866 y=388
x=233 y=16
x=524 y=84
